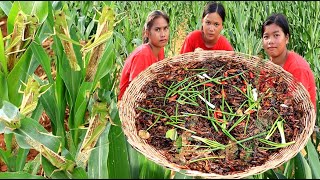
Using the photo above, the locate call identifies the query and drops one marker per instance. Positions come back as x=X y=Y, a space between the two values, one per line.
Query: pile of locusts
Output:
x=218 y=116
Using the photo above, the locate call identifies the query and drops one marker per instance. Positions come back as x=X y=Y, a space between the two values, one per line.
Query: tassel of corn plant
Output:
x=97 y=125
x=104 y=32
x=61 y=30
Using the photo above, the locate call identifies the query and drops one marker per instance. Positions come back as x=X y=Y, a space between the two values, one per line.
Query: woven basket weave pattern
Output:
x=132 y=95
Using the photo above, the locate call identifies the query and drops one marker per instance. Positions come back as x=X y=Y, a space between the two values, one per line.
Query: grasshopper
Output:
x=103 y=33
x=61 y=30
x=15 y=45
x=30 y=30
x=97 y=124
x=55 y=159
x=25 y=28
x=31 y=95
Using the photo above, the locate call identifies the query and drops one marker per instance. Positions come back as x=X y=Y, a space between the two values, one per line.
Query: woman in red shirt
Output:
x=275 y=36
x=155 y=37
x=209 y=37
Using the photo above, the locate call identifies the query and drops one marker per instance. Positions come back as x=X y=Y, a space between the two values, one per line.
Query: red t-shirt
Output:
x=194 y=40
x=300 y=69
x=141 y=58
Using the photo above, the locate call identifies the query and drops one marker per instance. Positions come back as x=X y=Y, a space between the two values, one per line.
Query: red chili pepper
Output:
x=251 y=75
x=245 y=83
x=225 y=74
x=262 y=72
x=223 y=93
x=173 y=98
x=243 y=89
x=208 y=84
x=224 y=82
x=217 y=114
x=270 y=81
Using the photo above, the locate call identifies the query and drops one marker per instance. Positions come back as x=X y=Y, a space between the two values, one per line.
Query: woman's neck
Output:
x=281 y=59
x=155 y=50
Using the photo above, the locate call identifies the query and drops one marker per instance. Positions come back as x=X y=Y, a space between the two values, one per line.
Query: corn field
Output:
x=80 y=48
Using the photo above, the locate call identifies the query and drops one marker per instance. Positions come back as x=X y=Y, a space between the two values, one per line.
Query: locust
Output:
x=30 y=30
x=16 y=37
x=103 y=33
x=25 y=28
x=55 y=159
x=97 y=124
x=31 y=95
x=62 y=31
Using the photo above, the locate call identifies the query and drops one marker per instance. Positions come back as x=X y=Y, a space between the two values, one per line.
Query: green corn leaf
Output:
x=178 y=175
x=313 y=160
x=3 y=88
x=302 y=169
x=49 y=170
x=3 y=61
x=5 y=156
x=289 y=168
x=18 y=74
x=12 y=15
x=32 y=129
x=134 y=161
x=20 y=159
x=33 y=166
x=151 y=170
x=98 y=161
x=39 y=8
x=81 y=103
x=42 y=58
x=118 y=155
x=10 y=114
x=6 y=6
x=19 y=175
x=106 y=63
x=272 y=174
x=79 y=173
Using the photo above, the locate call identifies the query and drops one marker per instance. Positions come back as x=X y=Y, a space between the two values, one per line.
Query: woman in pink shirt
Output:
x=275 y=36
x=155 y=37
x=209 y=37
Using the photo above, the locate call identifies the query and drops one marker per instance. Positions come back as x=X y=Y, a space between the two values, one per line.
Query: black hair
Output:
x=213 y=7
x=150 y=20
x=278 y=19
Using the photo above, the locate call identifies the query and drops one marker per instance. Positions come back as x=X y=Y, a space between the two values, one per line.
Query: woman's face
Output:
x=159 y=33
x=274 y=40
x=212 y=26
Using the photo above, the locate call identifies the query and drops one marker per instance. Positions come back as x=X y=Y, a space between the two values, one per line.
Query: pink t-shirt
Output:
x=194 y=40
x=300 y=69
x=140 y=59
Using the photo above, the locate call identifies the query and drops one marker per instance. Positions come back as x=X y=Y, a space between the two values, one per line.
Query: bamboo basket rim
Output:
x=132 y=94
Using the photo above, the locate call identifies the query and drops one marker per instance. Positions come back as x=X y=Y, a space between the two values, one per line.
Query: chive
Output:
x=280 y=127
x=273 y=144
x=272 y=129
x=153 y=123
x=180 y=127
x=206 y=158
x=237 y=122
x=209 y=142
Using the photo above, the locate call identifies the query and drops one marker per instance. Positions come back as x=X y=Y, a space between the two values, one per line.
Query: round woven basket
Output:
x=133 y=94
